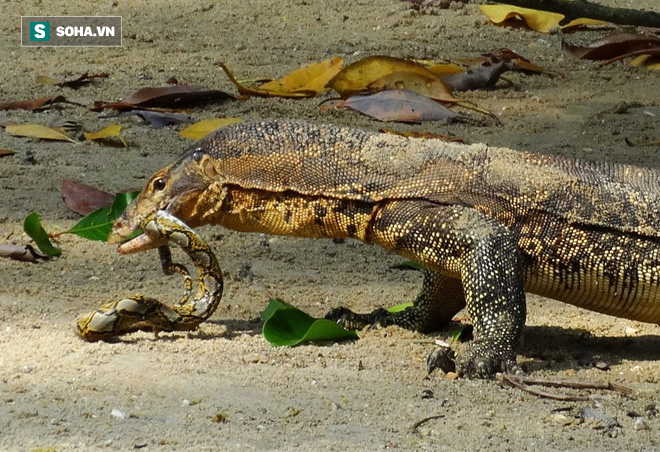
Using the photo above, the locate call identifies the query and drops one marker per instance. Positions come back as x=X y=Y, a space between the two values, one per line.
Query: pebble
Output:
x=117 y=414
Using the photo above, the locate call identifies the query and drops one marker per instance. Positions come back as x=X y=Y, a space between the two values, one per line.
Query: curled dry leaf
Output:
x=200 y=129
x=74 y=84
x=431 y=87
x=611 y=46
x=399 y=105
x=24 y=253
x=32 y=105
x=481 y=77
x=313 y=77
x=38 y=131
x=175 y=96
x=260 y=92
x=356 y=78
x=542 y=21
x=84 y=199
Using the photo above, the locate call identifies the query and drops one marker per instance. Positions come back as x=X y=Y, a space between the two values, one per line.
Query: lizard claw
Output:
x=353 y=321
x=485 y=359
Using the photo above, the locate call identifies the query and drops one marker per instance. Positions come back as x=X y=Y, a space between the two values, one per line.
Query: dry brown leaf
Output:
x=175 y=96
x=84 y=199
x=200 y=129
x=248 y=91
x=25 y=253
x=357 y=77
x=32 y=105
x=542 y=21
x=6 y=152
x=313 y=77
x=399 y=105
x=611 y=46
x=481 y=77
x=38 y=131
x=431 y=87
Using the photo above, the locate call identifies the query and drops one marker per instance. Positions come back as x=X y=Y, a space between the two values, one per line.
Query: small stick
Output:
x=417 y=424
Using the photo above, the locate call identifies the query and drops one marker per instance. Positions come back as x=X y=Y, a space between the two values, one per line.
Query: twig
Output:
x=523 y=383
x=417 y=424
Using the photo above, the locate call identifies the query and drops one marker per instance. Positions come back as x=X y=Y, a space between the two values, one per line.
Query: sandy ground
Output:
x=224 y=387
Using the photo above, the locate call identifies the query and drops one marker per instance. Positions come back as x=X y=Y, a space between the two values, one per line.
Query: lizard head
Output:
x=174 y=189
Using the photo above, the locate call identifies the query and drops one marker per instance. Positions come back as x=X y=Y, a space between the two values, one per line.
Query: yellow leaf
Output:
x=200 y=129
x=440 y=69
x=44 y=80
x=542 y=21
x=108 y=132
x=313 y=77
x=356 y=77
x=433 y=88
x=37 y=131
x=648 y=61
x=248 y=91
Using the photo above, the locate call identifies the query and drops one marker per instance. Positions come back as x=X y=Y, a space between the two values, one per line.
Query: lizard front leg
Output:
x=460 y=243
x=147 y=314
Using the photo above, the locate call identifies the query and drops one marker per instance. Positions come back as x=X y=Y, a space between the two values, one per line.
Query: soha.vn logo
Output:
x=40 y=31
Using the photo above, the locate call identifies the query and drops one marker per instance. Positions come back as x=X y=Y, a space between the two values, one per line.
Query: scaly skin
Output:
x=488 y=223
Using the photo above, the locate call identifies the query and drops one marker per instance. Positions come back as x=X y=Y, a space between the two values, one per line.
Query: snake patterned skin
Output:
x=140 y=313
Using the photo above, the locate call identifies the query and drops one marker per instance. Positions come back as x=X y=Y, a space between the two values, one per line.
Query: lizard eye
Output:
x=159 y=184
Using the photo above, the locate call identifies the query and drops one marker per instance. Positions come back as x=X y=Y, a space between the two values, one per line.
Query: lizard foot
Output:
x=484 y=359
x=354 y=321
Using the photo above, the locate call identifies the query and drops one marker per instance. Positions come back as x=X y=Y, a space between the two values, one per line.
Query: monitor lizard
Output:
x=488 y=223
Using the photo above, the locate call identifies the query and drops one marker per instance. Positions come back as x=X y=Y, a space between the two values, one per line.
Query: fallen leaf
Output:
x=32 y=227
x=108 y=132
x=32 y=105
x=97 y=225
x=44 y=80
x=175 y=96
x=248 y=91
x=84 y=199
x=542 y=21
x=202 y=128
x=481 y=77
x=399 y=105
x=649 y=61
x=356 y=78
x=37 y=131
x=6 y=152
x=156 y=119
x=24 y=253
x=313 y=77
x=611 y=46
x=431 y=87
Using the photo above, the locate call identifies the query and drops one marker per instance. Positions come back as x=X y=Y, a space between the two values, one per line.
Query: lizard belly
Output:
x=607 y=272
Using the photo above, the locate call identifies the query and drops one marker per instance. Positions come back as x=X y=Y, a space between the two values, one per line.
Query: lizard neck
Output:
x=282 y=213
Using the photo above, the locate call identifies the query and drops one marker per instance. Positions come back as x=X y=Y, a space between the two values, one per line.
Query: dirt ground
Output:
x=224 y=387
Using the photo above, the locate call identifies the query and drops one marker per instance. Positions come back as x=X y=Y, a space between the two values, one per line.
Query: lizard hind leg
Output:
x=476 y=250
x=440 y=299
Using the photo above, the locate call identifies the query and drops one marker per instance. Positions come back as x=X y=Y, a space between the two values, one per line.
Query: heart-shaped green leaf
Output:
x=32 y=227
x=287 y=325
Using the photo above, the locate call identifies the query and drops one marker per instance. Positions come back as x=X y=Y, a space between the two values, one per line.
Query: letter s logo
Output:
x=40 y=31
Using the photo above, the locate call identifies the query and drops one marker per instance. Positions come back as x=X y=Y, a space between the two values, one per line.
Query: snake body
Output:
x=140 y=313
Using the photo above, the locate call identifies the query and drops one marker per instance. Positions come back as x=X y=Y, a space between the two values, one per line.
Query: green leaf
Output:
x=461 y=333
x=32 y=227
x=287 y=325
x=97 y=225
x=409 y=265
x=400 y=307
